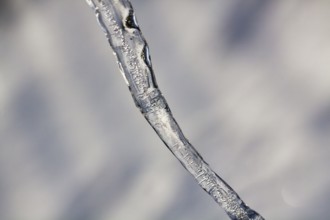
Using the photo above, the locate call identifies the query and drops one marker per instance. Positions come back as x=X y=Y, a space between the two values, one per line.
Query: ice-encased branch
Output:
x=117 y=20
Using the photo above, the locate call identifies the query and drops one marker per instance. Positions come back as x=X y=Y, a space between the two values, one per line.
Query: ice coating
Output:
x=118 y=22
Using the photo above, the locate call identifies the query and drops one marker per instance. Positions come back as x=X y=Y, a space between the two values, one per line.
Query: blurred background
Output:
x=247 y=80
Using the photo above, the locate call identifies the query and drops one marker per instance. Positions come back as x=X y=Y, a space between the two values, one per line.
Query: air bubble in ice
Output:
x=131 y=20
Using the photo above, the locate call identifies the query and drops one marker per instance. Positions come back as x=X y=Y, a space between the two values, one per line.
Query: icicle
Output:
x=118 y=22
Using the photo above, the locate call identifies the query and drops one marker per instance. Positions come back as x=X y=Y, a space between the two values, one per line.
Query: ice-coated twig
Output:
x=117 y=20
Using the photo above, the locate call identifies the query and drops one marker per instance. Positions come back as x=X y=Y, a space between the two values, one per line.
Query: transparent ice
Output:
x=118 y=22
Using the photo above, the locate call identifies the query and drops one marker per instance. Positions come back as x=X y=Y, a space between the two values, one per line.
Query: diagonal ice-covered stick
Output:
x=117 y=20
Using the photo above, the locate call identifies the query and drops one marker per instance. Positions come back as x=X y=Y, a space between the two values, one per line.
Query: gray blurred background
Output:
x=247 y=80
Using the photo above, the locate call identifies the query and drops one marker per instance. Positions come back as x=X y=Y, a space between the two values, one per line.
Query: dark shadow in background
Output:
x=34 y=119
x=6 y=13
x=243 y=21
x=91 y=200
x=10 y=10
x=320 y=122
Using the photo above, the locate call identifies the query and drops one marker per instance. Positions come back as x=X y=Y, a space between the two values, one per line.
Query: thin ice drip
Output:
x=118 y=22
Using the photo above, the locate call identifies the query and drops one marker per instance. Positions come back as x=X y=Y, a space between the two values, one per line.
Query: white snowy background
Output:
x=247 y=80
